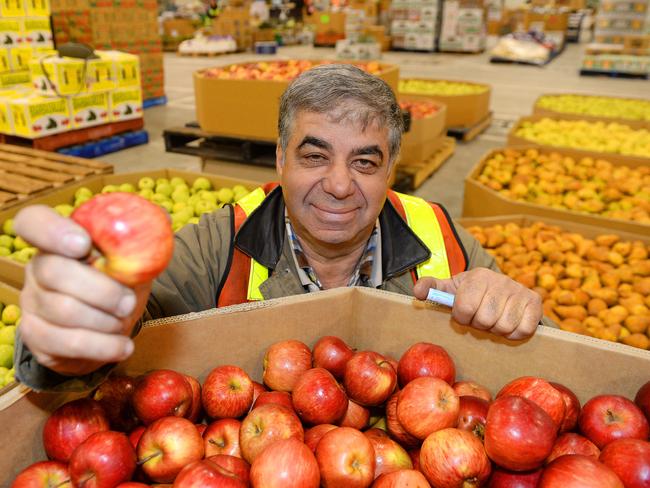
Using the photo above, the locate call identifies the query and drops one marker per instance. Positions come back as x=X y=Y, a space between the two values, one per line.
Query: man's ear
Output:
x=279 y=159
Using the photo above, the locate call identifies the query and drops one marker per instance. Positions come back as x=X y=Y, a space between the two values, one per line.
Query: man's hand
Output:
x=74 y=317
x=490 y=301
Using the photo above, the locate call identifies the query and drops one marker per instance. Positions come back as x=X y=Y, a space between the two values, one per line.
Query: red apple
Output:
x=43 y=474
x=572 y=405
x=395 y=429
x=277 y=397
x=194 y=412
x=265 y=425
x=318 y=398
x=132 y=484
x=570 y=443
x=502 y=478
x=404 y=478
x=258 y=389
x=642 y=400
x=355 y=416
x=316 y=433
x=114 y=395
x=425 y=359
x=103 y=460
x=414 y=454
x=540 y=392
x=201 y=428
x=167 y=446
x=630 y=460
x=346 y=459
x=576 y=471
x=206 y=474
x=471 y=388
x=227 y=392
x=389 y=455
x=284 y=363
x=162 y=393
x=134 y=436
x=70 y=425
x=332 y=353
x=427 y=404
x=222 y=437
x=519 y=435
x=287 y=462
x=472 y=415
x=451 y=457
x=606 y=418
x=133 y=235
x=235 y=465
x=369 y=379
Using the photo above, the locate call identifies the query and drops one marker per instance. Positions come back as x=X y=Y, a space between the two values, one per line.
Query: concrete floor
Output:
x=515 y=88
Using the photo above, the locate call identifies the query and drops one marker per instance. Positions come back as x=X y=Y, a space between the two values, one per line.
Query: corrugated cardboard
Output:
x=462 y=110
x=367 y=320
x=425 y=137
x=481 y=201
x=13 y=272
x=248 y=109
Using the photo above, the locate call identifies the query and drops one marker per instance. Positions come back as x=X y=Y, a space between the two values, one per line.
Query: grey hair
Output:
x=344 y=92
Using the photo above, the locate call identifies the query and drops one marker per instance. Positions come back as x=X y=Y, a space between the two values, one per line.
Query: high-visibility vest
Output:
x=428 y=221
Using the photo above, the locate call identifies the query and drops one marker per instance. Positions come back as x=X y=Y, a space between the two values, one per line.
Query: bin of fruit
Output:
x=592 y=282
x=364 y=406
x=9 y=320
x=427 y=130
x=612 y=192
x=467 y=103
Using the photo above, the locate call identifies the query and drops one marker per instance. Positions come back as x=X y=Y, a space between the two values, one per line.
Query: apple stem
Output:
x=64 y=482
x=148 y=458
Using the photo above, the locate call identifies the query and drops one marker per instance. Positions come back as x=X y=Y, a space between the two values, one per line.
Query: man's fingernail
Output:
x=75 y=242
x=125 y=306
x=128 y=349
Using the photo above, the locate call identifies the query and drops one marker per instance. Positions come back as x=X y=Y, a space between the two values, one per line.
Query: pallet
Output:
x=109 y=145
x=467 y=134
x=205 y=54
x=411 y=176
x=615 y=74
x=74 y=137
x=154 y=102
x=26 y=173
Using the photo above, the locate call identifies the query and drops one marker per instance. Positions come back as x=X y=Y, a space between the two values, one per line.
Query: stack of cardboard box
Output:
x=414 y=24
x=463 y=26
x=236 y=23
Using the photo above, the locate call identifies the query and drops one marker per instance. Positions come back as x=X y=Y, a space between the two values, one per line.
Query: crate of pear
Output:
x=10 y=316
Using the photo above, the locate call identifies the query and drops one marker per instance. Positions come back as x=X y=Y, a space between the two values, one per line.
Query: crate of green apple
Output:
x=332 y=416
x=9 y=320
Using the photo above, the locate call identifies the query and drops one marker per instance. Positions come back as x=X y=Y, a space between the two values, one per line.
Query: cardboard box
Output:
x=58 y=76
x=5 y=64
x=481 y=201
x=11 y=31
x=587 y=366
x=38 y=31
x=248 y=109
x=424 y=138
x=11 y=8
x=13 y=79
x=37 y=8
x=346 y=49
x=36 y=116
x=13 y=272
x=125 y=103
x=462 y=110
x=20 y=57
x=14 y=391
x=89 y=109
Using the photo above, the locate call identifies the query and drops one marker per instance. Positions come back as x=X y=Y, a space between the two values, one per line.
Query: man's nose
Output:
x=338 y=181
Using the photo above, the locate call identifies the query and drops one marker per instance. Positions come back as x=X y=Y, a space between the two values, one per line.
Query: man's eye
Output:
x=365 y=164
x=315 y=158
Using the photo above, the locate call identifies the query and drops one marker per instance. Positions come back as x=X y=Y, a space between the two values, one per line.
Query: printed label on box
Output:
x=11 y=8
x=125 y=104
x=62 y=76
x=126 y=67
x=37 y=31
x=20 y=57
x=4 y=60
x=11 y=32
x=100 y=76
x=39 y=116
x=37 y=8
x=89 y=109
x=13 y=79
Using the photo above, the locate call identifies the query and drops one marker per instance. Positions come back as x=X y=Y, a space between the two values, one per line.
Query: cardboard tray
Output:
x=462 y=110
x=481 y=201
x=514 y=140
x=424 y=137
x=13 y=392
x=13 y=272
x=365 y=319
x=248 y=109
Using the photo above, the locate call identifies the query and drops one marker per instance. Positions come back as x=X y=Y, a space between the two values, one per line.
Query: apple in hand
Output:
x=346 y=459
x=355 y=416
x=235 y=465
x=389 y=455
x=316 y=433
x=427 y=404
x=227 y=392
x=194 y=412
x=284 y=363
x=471 y=388
x=162 y=393
x=369 y=379
x=540 y=392
x=395 y=429
x=472 y=415
x=206 y=474
x=642 y=400
x=277 y=397
x=332 y=353
x=167 y=446
x=222 y=437
x=114 y=395
x=572 y=404
x=103 y=460
x=570 y=443
x=318 y=398
x=502 y=478
x=134 y=237
x=70 y=425
x=43 y=474
x=287 y=462
x=630 y=460
x=576 y=471
x=606 y=418
x=426 y=359
x=519 y=435
x=402 y=479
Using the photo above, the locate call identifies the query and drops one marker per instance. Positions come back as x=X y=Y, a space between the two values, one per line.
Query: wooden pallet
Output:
x=411 y=176
x=615 y=74
x=205 y=54
x=26 y=173
x=467 y=134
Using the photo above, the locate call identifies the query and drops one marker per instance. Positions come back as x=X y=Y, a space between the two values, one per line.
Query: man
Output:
x=329 y=224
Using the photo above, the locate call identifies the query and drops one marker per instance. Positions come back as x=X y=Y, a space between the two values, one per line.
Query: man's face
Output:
x=334 y=178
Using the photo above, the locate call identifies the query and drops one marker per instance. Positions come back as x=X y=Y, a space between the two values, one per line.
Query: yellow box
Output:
x=125 y=66
x=4 y=60
x=6 y=122
x=13 y=79
x=58 y=76
x=11 y=8
x=35 y=116
x=11 y=31
x=20 y=57
x=37 y=31
x=37 y=8
x=100 y=76
x=89 y=109
x=125 y=103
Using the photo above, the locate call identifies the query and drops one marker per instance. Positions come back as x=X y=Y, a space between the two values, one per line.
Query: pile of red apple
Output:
x=337 y=418
x=277 y=70
x=419 y=109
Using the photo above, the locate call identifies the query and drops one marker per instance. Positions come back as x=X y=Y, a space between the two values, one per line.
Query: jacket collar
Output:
x=263 y=233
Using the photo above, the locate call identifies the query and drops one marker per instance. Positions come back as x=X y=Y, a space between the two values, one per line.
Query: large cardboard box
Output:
x=424 y=138
x=367 y=320
x=481 y=201
x=13 y=272
x=462 y=110
x=248 y=109
x=12 y=392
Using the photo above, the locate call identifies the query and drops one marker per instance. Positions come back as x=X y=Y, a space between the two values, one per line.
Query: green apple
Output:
x=193 y=200
x=20 y=243
x=194 y=220
x=110 y=189
x=176 y=181
x=201 y=183
x=167 y=205
x=6 y=241
x=146 y=183
x=83 y=192
x=5 y=251
x=239 y=194
x=162 y=181
x=81 y=199
x=164 y=189
x=8 y=335
x=146 y=193
x=64 y=210
x=179 y=219
x=239 y=189
x=24 y=255
x=10 y=314
x=180 y=196
x=6 y=356
x=204 y=206
x=127 y=187
x=3 y=374
x=182 y=187
x=208 y=196
x=178 y=206
x=10 y=377
x=8 y=227
x=226 y=195
x=159 y=198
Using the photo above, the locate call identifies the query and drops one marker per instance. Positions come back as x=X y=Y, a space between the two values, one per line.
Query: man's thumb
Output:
x=421 y=288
